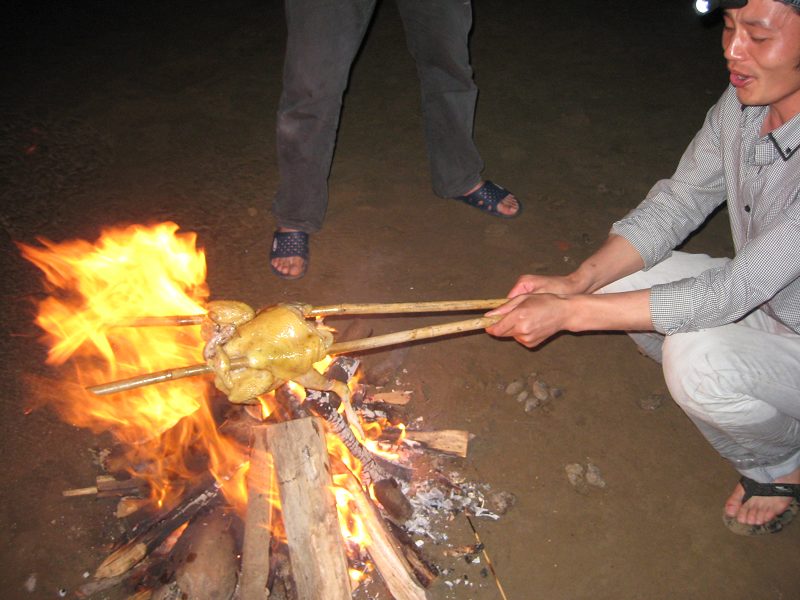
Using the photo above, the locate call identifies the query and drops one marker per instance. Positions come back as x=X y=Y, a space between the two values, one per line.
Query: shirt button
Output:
x=746 y=208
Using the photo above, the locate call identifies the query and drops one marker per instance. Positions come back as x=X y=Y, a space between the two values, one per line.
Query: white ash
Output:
x=432 y=502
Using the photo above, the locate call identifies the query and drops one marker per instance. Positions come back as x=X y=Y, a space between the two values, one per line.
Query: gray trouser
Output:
x=739 y=383
x=323 y=39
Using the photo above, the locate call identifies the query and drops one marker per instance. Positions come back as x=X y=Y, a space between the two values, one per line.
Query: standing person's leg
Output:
x=437 y=34
x=322 y=41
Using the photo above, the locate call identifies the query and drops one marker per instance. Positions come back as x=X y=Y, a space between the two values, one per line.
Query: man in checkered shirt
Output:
x=727 y=330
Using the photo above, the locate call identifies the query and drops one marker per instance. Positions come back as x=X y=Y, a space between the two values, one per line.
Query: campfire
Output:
x=293 y=482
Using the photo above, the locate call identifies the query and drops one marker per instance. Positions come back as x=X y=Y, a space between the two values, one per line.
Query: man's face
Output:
x=762 y=48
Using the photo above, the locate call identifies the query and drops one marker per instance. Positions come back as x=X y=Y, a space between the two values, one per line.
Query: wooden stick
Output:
x=405 y=307
x=393 y=397
x=106 y=485
x=166 y=321
x=378 y=341
x=123 y=385
x=337 y=309
x=410 y=335
x=316 y=548
x=486 y=556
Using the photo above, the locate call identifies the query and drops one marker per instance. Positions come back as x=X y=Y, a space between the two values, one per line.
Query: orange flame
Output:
x=93 y=291
x=93 y=288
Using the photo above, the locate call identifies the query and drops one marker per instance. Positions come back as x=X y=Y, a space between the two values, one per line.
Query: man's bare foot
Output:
x=290 y=267
x=508 y=206
x=759 y=509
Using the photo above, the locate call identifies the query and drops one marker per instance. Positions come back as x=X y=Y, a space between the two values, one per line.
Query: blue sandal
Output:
x=289 y=244
x=488 y=197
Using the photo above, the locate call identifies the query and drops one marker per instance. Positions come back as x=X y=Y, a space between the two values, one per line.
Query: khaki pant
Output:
x=739 y=383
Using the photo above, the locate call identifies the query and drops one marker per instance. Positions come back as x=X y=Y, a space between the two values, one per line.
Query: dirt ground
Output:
x=145 y=112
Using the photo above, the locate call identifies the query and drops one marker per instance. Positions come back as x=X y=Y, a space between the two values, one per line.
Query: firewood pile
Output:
x=289 y=542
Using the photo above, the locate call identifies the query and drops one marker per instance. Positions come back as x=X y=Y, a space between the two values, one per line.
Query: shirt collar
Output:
x=781 y=143
x=786 y=138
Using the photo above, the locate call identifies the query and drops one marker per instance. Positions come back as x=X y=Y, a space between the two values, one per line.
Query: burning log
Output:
x=424 y=573
x=449 y=441
x=389 y=560
x=255 y=551
x=149 y=535
x=316 y=548
x=374 y=467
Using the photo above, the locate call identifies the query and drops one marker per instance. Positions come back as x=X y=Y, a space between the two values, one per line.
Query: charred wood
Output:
x=149 y=534
x=425 y=572
x=374 y=467
x=393 y=500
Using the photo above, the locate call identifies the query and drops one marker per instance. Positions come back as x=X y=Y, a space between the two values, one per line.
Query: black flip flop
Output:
x=289 y=244
x=754 y=488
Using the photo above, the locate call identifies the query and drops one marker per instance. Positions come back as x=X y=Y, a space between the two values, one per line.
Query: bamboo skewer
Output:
x=166 y=321
x=405 y=307
x=337 y=309
x=379 y=341
x=409 y=335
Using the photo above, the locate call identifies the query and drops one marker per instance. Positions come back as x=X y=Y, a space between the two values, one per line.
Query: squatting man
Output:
x=726 y=330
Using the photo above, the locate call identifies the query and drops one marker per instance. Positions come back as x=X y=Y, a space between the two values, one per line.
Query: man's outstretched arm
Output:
x=541 y=306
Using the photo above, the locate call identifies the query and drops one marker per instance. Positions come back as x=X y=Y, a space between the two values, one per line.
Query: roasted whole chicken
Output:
x=278 y=343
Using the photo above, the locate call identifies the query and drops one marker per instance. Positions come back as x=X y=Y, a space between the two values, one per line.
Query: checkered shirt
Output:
x=760 y=178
